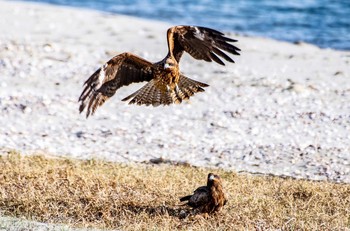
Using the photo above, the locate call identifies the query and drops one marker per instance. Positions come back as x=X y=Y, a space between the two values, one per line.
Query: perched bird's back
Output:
x=209 y=198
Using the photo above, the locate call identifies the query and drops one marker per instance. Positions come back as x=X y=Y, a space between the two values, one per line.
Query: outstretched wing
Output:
x=121 y=70
x=201 y=43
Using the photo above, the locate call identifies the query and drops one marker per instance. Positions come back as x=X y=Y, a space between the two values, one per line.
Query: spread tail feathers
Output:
x=152 y=94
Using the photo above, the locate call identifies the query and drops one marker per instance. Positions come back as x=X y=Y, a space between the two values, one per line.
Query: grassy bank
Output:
x=144 y=196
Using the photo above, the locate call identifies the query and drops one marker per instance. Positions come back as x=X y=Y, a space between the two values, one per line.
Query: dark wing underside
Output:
x=201 y=43
x=121 y=70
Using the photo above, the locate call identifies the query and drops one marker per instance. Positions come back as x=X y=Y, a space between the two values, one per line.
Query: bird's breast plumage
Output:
x=166 y=79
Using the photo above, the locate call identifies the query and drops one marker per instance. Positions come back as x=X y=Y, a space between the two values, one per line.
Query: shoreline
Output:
x=236 y=25
x=281 y=109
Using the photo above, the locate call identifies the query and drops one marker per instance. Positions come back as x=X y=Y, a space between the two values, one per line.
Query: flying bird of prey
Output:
x=209 y=198
x=166 y=84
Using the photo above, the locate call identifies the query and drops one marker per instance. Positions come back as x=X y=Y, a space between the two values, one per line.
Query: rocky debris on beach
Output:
x=282 y=109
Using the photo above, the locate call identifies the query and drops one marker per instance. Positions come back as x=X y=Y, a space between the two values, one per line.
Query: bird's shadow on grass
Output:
x=160 y=210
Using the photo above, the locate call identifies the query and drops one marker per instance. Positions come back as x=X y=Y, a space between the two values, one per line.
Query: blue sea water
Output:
x=325 y=23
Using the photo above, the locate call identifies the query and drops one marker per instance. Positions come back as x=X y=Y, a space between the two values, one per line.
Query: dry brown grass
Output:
x=145 y=197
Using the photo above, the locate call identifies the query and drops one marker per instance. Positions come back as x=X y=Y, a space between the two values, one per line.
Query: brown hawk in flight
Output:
x=209 y=198
x=166 y=85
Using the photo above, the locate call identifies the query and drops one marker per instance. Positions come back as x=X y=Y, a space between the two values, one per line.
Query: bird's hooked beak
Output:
x=167 y=66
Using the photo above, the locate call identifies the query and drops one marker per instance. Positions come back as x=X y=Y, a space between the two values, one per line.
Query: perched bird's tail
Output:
x=185 y=198
x=155 y=94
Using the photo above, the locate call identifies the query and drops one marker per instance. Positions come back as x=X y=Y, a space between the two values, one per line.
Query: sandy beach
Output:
x=281 y=109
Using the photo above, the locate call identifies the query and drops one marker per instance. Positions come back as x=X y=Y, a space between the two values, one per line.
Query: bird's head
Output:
x=213 y=179
x=211 y=176
x=169 y=64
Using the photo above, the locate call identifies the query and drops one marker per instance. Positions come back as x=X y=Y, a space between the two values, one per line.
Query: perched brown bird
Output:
x=209 y=198
x=166 y=85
